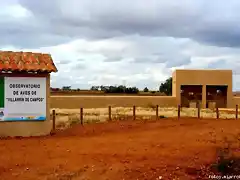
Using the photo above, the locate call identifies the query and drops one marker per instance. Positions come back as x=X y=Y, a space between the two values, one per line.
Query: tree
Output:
x=132 y=90
x=94 y=88
x=103 y=88
x=166 y=87
x=145 y=89
x=66 y=88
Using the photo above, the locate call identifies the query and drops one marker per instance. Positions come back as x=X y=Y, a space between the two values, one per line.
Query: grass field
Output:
x=90 y=101
x=163 y=149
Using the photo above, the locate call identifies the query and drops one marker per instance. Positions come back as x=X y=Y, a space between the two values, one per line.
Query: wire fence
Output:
x=62 y=119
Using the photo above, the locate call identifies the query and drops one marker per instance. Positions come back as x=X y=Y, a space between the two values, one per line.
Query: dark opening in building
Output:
x=191 y=94
x=216 y=96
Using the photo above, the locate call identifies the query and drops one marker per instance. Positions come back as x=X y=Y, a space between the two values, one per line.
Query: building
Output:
x=209 y=88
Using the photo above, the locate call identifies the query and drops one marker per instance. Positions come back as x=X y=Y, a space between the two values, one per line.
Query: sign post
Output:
x=25 y=93
x=22 y=98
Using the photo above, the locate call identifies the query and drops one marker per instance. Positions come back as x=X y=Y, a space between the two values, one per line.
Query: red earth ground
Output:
x=129 y=150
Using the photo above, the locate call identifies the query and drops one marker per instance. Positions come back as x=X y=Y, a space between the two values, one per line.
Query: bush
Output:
x=227 y=163
x=145 y=89
x=161 y=117
x=72 y=120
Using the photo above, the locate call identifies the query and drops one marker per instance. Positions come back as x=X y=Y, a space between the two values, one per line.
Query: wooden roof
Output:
x=26 y=62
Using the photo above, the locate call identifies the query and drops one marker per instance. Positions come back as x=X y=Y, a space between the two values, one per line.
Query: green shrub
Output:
x=227 y=162
x=161 y=117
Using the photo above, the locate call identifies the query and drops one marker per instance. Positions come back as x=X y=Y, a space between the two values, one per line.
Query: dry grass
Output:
x=68 y=117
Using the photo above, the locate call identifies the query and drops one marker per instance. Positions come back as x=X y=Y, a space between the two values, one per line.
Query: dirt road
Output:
x=164 y=149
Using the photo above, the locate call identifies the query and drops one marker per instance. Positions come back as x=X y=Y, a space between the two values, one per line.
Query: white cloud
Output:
x=114 y=42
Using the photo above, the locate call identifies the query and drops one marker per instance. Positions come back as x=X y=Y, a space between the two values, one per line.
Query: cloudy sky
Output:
x=136 y=43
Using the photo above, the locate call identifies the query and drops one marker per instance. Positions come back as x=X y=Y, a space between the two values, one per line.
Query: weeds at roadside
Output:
x=61 y=125
x=228 y=157
x=162 y=116
x=73 y=120
x=120 y=117
x=227 y=162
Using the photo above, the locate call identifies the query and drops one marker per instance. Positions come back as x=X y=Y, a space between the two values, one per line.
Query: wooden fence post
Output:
x=54 y=120
x=217 y=111
x=236 y=112
x=134 y=112
x=109 y=113
x=179 y=109
x=157 y=112
x=198 y=106
x=81 y=116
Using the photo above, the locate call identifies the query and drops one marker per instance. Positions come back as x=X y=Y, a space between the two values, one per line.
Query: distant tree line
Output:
x=64 y=88
x=165 y=88
x=116 y=89
x=105 y=89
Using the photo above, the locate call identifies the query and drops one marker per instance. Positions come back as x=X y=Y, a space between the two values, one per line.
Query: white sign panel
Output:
x=24 y=99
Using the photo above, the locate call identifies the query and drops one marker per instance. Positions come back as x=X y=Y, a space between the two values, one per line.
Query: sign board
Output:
x=22 y=98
